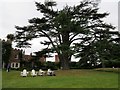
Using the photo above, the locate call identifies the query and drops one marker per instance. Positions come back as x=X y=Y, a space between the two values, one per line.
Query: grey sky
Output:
x=17 y=12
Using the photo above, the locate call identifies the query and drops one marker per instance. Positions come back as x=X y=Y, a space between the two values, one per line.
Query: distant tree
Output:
x=103 y=49
x=21 y=57
x=6 y=50
x=63 y=28
x=114 y=49
x=10 y=37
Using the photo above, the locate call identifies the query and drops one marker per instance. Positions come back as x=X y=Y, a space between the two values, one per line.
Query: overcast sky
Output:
x=17 y=12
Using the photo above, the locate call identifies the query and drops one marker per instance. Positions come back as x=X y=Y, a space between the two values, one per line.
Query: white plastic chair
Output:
x=33 y=73
x=24 y=73
x=41 y=72
x=50 y=72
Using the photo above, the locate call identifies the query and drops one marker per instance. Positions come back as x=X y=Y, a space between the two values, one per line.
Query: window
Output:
x=16 y=65
x=12 y=65
x=16 y=56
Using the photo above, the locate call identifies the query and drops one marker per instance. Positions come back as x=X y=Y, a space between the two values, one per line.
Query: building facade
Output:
x=14 y=61
x=57 y=60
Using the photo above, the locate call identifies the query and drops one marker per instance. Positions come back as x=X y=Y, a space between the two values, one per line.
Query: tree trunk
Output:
x=64 y=61
x=103 y=64
x=64 y=57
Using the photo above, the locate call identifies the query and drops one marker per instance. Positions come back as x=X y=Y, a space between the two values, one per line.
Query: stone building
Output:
x=15 y=59
x=42 y=59
x=57 y=59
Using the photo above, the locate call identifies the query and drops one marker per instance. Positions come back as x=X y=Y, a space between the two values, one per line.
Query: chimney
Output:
x=56 y=59
x=30 y=54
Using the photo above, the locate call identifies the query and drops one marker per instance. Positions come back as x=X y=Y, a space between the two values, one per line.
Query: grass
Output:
x=0 y=78
x=116 y=70
x=63 y=79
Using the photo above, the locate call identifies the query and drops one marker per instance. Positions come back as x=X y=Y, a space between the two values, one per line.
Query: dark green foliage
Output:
x=51 y=65
x=6 y=52
x=10 y=36
x=44 y=53
x=63 y=28
x=21 y=57
x=104 y=50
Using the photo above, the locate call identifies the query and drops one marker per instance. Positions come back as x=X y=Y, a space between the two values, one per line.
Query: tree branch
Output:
x=73 y=37
x=49 y=39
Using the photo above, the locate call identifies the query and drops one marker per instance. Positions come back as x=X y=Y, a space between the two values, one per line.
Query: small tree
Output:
x=6 y=50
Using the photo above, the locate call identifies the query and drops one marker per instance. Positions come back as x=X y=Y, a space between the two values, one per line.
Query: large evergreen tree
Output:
x=64 y=28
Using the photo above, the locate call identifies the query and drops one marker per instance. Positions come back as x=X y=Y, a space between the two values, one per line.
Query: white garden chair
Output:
x=24 y=73
x=50 y=72
x=41 y=72
x=33 y=73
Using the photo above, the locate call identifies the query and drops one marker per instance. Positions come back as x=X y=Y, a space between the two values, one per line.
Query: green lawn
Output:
x=63 y=79
x=0 y=78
